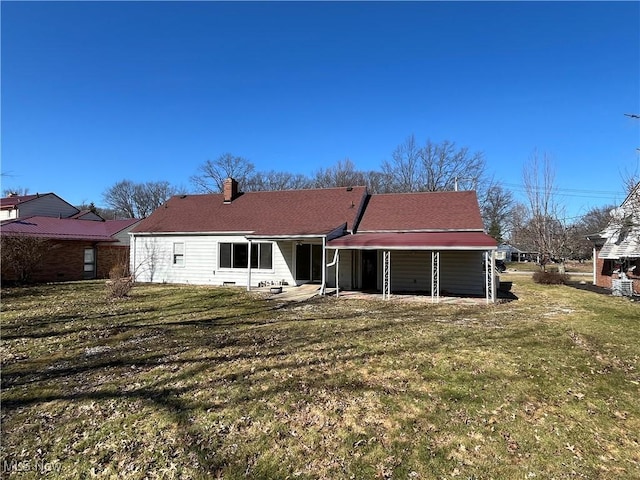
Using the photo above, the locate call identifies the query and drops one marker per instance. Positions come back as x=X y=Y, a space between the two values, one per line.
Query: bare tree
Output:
x=20 y=191
x=434 y=167
x=272 y=180
x=594 y=221
x=547 y=228
x=448 y=167
x=137 y=200
x=342 y=174
x=404 y=170
x=497 y=207
x=22 y=254
x=212 y=174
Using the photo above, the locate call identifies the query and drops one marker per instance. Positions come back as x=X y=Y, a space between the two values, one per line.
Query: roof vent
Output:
x=349 y=189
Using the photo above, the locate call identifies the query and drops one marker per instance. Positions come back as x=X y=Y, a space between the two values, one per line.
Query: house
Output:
x=431 y=243
x=43 y=204
x=616 y=250
x=511 y=253
x=69 y=244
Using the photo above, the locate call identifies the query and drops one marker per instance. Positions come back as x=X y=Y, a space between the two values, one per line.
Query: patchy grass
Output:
x=198 y=382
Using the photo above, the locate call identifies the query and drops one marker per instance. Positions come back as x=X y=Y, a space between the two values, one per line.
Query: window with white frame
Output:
x=236 y=255
x=178 y=254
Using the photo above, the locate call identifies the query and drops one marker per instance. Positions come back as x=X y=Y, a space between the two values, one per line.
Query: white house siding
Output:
x=345 y=272
x=8 y=214
x=410 y=271
x=461 y=272
x=152 y=261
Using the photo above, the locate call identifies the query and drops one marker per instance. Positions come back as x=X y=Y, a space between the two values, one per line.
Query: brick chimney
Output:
x=230 y=190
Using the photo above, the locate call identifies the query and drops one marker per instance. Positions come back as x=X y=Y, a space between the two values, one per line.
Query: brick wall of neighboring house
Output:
x=605 y=275
x=64 y=261
x=109 y=256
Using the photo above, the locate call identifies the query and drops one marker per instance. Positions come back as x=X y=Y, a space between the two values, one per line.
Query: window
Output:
x=261 y=256
x=236 y=255
x=178 y=254
x=89 y=263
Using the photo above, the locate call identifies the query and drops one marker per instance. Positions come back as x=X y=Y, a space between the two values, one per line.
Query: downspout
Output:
x=336 y=262
x=249 y=268
x=324 y=268
x=595 y=263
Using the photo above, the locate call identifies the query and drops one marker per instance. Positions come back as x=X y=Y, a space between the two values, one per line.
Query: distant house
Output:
x=431 y=243
x=510 y=253
x=616 y=253
x=42 y=204
x=77 y=244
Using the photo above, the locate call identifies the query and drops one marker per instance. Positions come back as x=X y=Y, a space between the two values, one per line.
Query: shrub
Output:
x=120 y=282
x=550 y=278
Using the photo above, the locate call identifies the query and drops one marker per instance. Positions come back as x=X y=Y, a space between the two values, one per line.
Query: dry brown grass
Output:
x=197 y=382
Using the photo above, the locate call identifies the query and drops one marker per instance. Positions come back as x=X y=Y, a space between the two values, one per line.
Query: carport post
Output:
x=249 y=268
x=386 y=275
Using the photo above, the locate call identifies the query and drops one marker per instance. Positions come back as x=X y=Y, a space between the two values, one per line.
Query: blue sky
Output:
x=97 y=92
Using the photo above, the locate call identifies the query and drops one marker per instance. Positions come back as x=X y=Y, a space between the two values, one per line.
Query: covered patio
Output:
x=462 y=261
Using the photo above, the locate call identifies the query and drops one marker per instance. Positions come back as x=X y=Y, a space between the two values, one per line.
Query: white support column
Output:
x=337 y=273
x=323 y=288
x=595 y=263
x=386 y=275
x=489 y=276
x=249 y=269
x=435 y=277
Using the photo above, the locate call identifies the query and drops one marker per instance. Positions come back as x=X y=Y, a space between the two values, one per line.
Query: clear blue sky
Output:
x=97 y=92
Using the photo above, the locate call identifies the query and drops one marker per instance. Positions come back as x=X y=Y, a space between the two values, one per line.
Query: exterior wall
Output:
x=345 y=270
x=65 y=262
x=604 y=274
x=123 y=237
x=108 y=256
x=8 y=214
x=462 y=272
x=47 y=206
x=152 y=261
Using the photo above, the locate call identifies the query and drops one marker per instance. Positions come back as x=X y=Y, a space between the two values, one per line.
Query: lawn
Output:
x=201 y=382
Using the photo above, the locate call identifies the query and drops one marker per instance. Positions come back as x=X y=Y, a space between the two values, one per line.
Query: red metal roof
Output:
x=421 y=212
x=66 y=228
x=284 y=213
x=416 y=241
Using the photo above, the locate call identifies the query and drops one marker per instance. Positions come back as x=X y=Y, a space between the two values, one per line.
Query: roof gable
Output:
x=422 y=212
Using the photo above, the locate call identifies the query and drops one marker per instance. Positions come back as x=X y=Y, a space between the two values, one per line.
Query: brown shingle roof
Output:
x=287 y=212
x=424 y=211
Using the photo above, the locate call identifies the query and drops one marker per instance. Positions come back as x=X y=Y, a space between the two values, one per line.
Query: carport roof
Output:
x=450 y=240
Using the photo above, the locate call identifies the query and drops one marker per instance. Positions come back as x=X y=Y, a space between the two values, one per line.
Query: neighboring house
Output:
x=616 y=252
x=75 y=244
x=431 y=243
x=510 y=253
x=507 y=253
x=43 y=204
